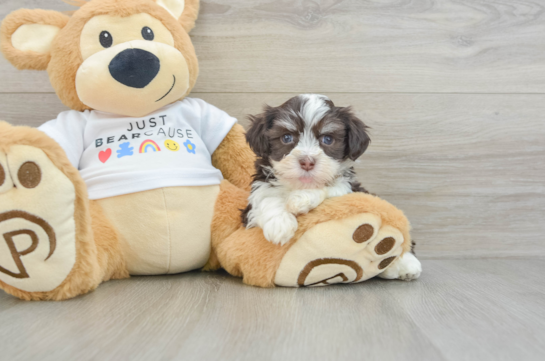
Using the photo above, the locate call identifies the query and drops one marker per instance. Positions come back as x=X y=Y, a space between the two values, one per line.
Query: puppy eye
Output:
x=148 y=34
x=106 y=39
x=327 y=139
x=287 y=138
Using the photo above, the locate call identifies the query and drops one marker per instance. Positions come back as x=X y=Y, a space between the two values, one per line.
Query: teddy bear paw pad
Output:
x=349 y=250
x=37 y=226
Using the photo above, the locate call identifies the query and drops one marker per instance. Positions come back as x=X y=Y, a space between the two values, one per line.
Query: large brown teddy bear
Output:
x=137 y=179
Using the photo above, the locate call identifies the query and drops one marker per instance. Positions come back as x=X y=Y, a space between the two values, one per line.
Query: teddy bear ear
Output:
x=26 y=37
x=186 y=11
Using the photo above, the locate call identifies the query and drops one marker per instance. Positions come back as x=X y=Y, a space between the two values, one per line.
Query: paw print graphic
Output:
x=125 y=150
x=190 y=146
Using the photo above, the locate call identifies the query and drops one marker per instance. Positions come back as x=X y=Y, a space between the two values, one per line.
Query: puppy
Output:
x=306 y=149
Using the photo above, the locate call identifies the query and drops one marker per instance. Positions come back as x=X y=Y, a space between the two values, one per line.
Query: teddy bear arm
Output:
x=235 y=159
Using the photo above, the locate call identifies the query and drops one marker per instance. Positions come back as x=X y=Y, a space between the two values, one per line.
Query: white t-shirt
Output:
x=119 y=155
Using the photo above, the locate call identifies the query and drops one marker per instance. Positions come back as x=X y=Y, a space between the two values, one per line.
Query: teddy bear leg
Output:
x=227 y=219
x=345 y=240
x=238 y=250
x=110 y=257
x=48 y=249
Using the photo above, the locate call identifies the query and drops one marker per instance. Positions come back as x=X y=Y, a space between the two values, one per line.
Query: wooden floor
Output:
x=488 y=309
x=454 y=91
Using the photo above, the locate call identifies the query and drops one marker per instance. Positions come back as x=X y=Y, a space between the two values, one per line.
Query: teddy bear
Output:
x=137 y=178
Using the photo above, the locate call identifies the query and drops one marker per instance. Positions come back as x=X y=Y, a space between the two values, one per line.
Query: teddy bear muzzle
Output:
x=135 y=68
x=133 y=79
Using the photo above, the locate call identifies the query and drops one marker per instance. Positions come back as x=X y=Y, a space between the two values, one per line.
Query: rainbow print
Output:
x=149 y=145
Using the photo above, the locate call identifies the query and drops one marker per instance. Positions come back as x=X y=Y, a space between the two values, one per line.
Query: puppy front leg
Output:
x=277 y=223
x=303 y=200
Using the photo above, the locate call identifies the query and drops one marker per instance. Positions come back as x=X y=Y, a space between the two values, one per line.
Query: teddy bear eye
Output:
x=148 y=34
x=106 y=39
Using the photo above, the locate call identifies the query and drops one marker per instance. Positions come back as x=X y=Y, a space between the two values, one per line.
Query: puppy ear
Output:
x=27 y=35
x=256 y=135
x=186 y=11
x=358 y=139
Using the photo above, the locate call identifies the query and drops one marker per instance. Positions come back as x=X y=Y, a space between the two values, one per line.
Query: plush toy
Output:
x=137 y=179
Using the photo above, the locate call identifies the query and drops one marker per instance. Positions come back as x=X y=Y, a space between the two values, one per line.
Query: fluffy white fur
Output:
x=406 y=268
x=274 y=207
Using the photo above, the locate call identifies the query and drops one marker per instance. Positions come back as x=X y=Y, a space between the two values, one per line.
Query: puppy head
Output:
x=307 y=142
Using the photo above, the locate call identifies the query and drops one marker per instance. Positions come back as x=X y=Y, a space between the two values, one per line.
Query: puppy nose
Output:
x=307 y=163
x=135 y=68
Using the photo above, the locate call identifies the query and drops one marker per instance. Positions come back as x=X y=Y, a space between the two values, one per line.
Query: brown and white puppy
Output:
x=306 y=149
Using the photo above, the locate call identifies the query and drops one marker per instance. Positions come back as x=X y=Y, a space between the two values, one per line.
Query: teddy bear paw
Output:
x=349 y=250
x=37 y=226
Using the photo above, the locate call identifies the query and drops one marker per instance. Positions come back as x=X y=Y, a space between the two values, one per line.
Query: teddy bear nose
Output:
x=135 y=68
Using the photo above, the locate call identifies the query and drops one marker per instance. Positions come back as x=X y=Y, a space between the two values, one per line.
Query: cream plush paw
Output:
x=406 y=268
x=37 y=225
x=349 y=250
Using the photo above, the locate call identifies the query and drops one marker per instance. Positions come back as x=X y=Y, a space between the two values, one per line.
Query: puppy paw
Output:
x=302 y=201
x=406 y=268
x=280 y=229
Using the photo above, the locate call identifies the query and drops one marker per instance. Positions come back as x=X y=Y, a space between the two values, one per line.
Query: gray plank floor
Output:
x=487 y=309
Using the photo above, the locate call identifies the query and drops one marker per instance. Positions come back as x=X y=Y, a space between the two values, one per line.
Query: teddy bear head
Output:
x=127 y=57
